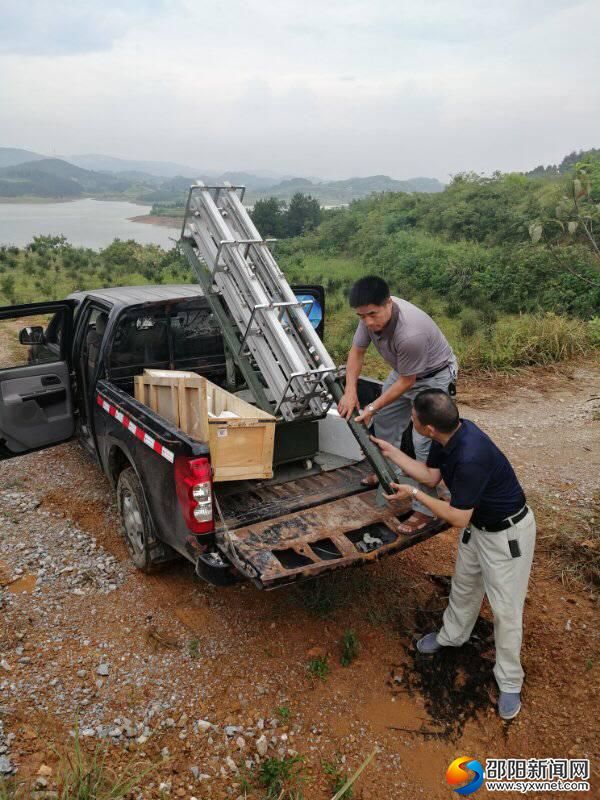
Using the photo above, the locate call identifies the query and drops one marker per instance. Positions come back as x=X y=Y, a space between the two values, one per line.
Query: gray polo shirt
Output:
x=411 y=342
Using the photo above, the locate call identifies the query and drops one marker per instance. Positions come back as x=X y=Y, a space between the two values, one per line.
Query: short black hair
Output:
x=370 y=290
x=436 y=408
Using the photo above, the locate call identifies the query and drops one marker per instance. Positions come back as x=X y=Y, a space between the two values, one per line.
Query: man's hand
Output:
x=404 y=491
x=348 y=405
x=364 y=417
x=387 y=449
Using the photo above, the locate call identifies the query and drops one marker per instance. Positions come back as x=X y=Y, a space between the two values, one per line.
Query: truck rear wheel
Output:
x=145 y=549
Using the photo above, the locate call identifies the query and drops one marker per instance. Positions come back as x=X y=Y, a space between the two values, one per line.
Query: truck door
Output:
x=36 y=396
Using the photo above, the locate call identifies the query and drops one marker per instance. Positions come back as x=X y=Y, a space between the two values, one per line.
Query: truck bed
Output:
x=297 y=525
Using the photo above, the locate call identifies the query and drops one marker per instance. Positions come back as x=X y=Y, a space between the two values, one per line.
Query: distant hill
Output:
x=27 y=174
x=160 y=169
x=53 y=177
x=11 y=156
x=337 y=193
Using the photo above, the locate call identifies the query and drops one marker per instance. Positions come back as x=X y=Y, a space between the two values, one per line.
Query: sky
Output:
x=331 y=89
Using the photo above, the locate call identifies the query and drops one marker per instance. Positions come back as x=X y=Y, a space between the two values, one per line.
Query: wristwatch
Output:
x=371 y=409
x=414 y=491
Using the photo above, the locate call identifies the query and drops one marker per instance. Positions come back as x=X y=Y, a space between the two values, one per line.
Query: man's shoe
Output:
x=428 y=644
x=509 y=704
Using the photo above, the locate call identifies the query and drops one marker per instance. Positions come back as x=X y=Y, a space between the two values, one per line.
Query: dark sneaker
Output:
x=428 y=644
x=509 y=704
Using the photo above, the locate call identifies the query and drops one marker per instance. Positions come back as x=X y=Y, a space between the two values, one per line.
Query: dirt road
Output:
x=206 y=683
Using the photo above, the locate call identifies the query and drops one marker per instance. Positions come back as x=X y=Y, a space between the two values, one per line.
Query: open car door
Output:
x=36 y=396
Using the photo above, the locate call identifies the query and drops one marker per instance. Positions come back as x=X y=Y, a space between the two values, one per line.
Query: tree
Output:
x=575 y=219
x=303 y=214
x=268 y=216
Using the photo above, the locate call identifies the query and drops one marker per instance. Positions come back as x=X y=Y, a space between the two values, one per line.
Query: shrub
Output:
x=469 y=325
x=350 y=648
x=594 y=331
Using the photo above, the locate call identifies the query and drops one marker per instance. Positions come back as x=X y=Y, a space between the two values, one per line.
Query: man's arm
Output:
x=349 y=402
x=401 y=385
x=429 y=476
x=457 y=517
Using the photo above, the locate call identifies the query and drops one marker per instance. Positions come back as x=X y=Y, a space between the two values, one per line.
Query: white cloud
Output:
x=335 y=89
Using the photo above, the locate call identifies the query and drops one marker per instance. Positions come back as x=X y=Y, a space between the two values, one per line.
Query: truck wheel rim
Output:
x=132 y=520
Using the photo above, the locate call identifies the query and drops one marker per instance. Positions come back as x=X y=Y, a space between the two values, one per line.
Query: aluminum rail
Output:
x=235 y=265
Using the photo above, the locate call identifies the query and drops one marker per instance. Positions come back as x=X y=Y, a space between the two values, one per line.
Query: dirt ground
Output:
x=204 y=683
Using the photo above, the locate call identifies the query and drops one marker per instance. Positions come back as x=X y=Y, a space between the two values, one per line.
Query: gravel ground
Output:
x=201 y=685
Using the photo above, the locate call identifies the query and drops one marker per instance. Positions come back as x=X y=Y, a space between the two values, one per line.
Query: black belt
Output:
x=505 y=523
x=435 y=372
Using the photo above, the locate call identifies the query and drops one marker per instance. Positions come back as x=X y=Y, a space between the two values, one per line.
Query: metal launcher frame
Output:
x=262 y=321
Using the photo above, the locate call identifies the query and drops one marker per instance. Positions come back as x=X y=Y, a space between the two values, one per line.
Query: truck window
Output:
x=177 y=337
x=141 y=340
x=41 y=337
x=195 y=333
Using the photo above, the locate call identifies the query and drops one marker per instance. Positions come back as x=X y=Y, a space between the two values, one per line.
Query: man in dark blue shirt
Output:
x=496 y=546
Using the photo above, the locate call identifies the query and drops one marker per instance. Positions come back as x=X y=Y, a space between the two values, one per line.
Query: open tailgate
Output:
x=309 y=542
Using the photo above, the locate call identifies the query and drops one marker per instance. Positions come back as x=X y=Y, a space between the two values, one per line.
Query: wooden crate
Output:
x=177 y=396
x=241 y=442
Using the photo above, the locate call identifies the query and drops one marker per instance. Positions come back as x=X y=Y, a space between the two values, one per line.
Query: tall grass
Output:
x=84 y=776
x=528 y=340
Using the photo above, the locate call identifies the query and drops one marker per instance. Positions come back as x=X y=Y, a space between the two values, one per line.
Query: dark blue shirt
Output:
x=478 y=475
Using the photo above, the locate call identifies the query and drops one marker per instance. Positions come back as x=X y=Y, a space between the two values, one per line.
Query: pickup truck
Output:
x=67 y=370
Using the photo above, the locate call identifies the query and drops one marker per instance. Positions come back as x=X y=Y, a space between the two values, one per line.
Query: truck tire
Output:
x=146 y=551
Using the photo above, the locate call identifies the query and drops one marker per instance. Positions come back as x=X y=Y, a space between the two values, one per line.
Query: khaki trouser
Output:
x=485 y=566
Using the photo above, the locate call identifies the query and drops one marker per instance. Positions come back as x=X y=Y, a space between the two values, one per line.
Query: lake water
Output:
x=87 y=223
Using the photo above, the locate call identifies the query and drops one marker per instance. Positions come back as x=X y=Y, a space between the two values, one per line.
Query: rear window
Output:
x=167 y=337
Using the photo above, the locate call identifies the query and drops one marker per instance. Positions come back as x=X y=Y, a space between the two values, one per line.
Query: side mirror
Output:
x=31 y=336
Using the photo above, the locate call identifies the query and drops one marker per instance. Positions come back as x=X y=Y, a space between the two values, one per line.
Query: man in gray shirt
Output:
x=420 y=358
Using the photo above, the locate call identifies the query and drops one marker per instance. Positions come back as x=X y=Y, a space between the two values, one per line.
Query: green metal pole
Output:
x=380 y=465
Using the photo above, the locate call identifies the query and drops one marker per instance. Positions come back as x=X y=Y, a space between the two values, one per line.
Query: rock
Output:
x=203 y=725
x=240 y=742
x=5 y=665
x=102 y=669
x=316 y=652
x=165 y=786
x=262 y=745
x=231 y=764
x=45 y=771
x=88 y=732
x=5 y=765
x=231 y=730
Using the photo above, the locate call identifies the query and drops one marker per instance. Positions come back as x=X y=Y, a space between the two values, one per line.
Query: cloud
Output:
x=65 y=27
x=336 y=89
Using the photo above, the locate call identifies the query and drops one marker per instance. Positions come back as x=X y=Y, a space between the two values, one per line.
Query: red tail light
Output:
x=194 y=491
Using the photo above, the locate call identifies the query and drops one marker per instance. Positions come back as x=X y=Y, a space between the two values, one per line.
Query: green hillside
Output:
x=53 y=177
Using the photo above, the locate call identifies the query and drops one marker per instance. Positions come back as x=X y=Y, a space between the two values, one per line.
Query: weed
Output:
x=284 y=713
x=194 y=648
x=338 y=778
x=282 y=778
x=83 y=777
x=318 y=668
x=350 y=648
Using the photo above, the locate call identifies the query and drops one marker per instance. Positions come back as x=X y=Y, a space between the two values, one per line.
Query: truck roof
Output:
x=132 y=295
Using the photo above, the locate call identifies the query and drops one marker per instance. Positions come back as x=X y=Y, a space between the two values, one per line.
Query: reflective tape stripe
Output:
x=135 y=429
